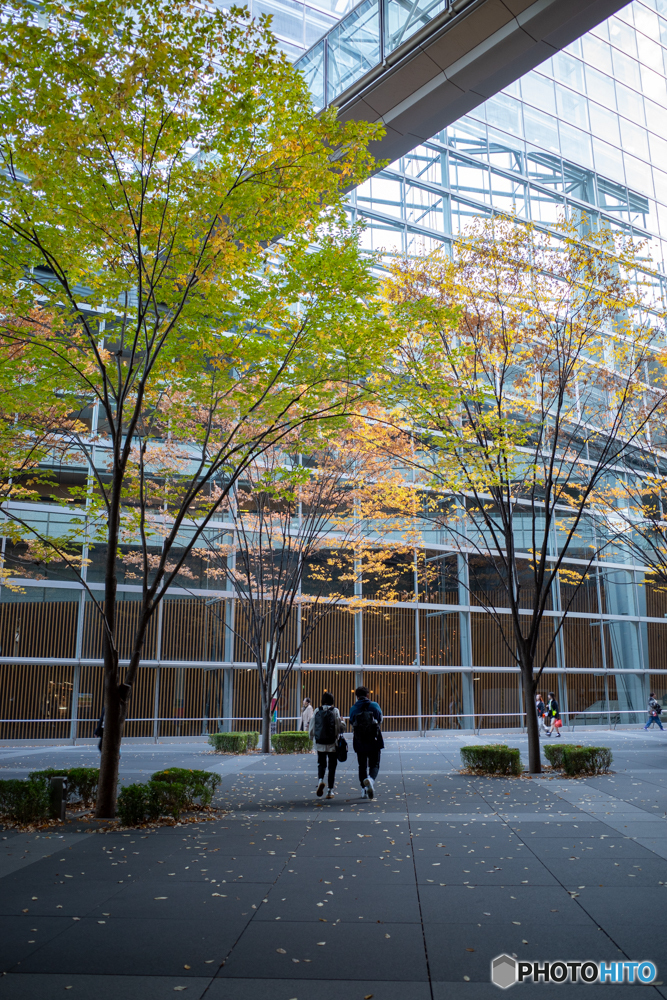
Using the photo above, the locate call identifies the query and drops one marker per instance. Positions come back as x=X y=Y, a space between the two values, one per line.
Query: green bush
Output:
x=554 y=753
x=229 y=742
x=201 y=785
x=24 y=801
x=579 y=759
x=253 y=739
x=491 y=759
x=132 y=804
x=291 y=742
x=167 y=797
x=81 y=781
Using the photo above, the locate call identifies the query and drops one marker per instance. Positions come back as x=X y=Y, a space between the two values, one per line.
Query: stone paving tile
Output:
x=501 y=836
x=328 y=951
x=52 y=986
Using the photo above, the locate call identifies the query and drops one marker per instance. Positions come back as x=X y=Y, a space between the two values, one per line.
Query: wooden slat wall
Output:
x=192 y=630
x=583 y=646
x=247 y=700
x=127 y=619
x=442 y=696
x=440 y=639
x=396 y=694
x=332 y=639
x=586 y=692
x=497 y=701
x=29 y=692
x=389 y=636
x=488 y=646
x=339 y=683
x=38 y=628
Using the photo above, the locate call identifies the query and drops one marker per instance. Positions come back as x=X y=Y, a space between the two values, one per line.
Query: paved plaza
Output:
x=289 y=897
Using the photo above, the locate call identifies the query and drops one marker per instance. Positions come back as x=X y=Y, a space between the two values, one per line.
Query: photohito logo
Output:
x=506 y=971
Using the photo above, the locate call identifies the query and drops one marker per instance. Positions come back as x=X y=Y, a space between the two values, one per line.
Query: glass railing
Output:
x=362 y=40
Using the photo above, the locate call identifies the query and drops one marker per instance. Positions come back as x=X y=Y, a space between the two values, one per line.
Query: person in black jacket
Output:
x=553 y=713
x=654 y=711
x=367 y=742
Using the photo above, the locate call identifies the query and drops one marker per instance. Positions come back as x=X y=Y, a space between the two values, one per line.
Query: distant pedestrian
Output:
x=365 y=719
x=324 y=727
x=654 y=711
x=99 y=730
x=541 y=709
x=553 y=719
x=307 y=712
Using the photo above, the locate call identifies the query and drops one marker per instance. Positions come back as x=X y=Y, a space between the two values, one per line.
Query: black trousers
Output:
x=369 y=763
x=322 y=759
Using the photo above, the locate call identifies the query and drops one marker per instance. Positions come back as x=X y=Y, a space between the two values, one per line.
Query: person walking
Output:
x=324 y=727
x=367 y=741
x=553 y=715
x=541 y=709
x=307 y=712
x=654 y=711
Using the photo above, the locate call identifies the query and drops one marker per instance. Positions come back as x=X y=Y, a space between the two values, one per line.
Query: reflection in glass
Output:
x=404 y=18
x=354 y=48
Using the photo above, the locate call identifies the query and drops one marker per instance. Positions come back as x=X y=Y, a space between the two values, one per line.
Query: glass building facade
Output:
x=584 y=133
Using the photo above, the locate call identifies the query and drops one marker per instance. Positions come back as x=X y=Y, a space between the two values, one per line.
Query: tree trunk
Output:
x=266 y=727
x=534 y=757
x=111 y=740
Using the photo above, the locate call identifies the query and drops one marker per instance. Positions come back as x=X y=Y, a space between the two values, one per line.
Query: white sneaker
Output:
x=320 y=790
x=370 y=787
x=330 y=793
x=364 y=793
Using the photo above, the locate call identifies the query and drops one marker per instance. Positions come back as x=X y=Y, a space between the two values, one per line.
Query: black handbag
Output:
x=341 y=749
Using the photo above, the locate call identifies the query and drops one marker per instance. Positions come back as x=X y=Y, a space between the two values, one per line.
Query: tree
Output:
x=309 y=518
x=522 y=379
x=151 y=155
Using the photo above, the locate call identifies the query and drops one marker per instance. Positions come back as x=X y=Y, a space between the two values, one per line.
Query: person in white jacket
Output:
x=325 y=726
x=307 y=712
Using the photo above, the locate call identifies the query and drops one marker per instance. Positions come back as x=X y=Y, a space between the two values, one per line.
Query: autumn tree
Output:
x=523 y=381
x=307 y=521
x=151 y=155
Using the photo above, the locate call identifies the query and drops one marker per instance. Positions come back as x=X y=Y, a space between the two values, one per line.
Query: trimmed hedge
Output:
x=132 y=805
x=492 y=759
x=199 y=784
x=234 y=742
x=81 y=781
x=25 y=801
x=291 y=742
x=577 y=760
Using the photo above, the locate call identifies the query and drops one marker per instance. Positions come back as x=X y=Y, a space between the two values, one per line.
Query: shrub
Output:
x=586 y=760
x=132 y=804
x=170 y=797
x=491 y=759
x=291 y=743
x=201 y=785
x=81 y=781
x=579 y=759
x=24 y=801
x=554 y=754
x=253 y=739
x=229 y=742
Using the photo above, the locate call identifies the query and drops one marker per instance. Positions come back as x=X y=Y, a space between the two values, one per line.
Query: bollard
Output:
x=58 y=797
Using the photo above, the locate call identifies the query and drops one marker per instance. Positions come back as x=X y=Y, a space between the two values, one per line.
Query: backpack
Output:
x=324 y=729
x=365 y=725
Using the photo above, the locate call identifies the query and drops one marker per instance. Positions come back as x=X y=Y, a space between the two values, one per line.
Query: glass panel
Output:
x=575 y=145
x=316 y=25
x=404 y=18
x=497 y=702
x=469 y=178
x=424 y=208
x=505 y=113
x=439 y=638
x=442 y=702
x=572 y=107
x=425 y=164
x=569 y=70
x=626 y=699
x=312 y=67
x=354 y=48
x=608 y=160
x=396 y=694
x=286 y=17
x=586 y=700
x=541 y=129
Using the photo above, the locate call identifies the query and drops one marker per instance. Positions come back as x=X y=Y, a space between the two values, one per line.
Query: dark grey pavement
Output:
x=289 y=897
